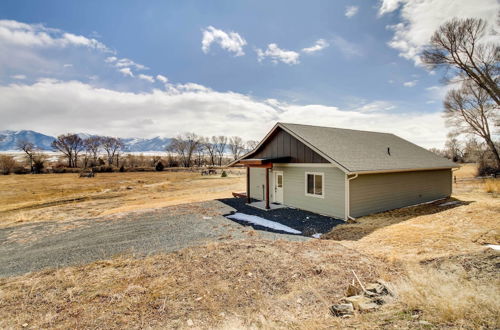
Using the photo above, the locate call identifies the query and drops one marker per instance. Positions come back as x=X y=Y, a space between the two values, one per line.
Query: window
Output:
x=314 y=184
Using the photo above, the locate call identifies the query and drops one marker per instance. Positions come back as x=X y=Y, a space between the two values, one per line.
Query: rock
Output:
x=342 y=309
x=357 y=300
x=24 y=325
x=190 y=323
x=424 y=322
x=387 y=289
x=375 y=288
x=352 y=291
x=367 y=307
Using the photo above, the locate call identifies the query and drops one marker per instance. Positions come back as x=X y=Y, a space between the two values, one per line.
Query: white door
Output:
x=278 y=187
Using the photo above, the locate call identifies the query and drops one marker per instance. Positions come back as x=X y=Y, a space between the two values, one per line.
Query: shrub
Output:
x=38 y=165
x=159 y=166
x=492 y=186
x=223 y=174
x=20 y=170
x=122 y=169
x=7 y=164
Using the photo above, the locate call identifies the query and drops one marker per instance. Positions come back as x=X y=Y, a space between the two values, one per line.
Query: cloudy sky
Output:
x=160 y=68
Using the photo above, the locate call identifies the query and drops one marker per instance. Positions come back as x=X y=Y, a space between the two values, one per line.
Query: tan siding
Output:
x=294 y=190
x=371 y=193
x=257 y=182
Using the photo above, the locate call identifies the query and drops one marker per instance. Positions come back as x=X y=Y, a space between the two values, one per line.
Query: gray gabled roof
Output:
x=364 y=151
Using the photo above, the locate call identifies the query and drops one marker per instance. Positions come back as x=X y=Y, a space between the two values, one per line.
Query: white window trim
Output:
x=322 y=184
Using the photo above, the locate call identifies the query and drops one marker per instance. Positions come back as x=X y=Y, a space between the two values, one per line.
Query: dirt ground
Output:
x=433 y=256
x=62 y=197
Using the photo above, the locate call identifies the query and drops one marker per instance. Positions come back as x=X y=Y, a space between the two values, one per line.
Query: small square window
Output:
x=314 y=184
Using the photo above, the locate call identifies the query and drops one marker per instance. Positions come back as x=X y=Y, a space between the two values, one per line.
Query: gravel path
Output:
x=31 y=247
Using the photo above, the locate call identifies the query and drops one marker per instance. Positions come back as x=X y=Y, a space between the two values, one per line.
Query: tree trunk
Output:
x=494 y=150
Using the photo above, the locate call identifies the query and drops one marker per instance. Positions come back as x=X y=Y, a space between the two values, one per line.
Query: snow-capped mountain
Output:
x=139 y=145
x=9 y=140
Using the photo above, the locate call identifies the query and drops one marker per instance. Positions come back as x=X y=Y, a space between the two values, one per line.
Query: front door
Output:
x=278 y=187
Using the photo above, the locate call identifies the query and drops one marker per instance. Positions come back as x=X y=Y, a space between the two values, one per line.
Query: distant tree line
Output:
x=105 y=154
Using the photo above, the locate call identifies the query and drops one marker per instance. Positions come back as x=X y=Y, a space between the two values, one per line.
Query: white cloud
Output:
x=18 y=76
x=68 y=65
x=419 y=20
x=61 y=106
x=277 y=54
x=410 y=83
x=232 y=41
x=347 y=48
x=376 y=106
x=146 y=77
x=110 y=59
x=388 y=6
x=37 y=35
x=350 y=11
x=126 y=72
x=319 y=45
x=162 y=78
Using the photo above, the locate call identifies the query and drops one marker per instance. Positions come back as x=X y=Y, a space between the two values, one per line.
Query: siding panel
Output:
x=257 y=183
x=294 y=190
x=371 y=193
x=282 y=144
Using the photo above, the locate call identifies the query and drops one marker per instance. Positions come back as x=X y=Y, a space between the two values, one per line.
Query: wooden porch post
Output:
x=248 y=184
x=267 y=189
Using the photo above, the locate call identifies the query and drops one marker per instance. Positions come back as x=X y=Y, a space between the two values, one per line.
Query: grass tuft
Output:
x=450 y=297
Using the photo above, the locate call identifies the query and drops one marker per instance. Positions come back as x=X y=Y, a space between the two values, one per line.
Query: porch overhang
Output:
x=263 y=161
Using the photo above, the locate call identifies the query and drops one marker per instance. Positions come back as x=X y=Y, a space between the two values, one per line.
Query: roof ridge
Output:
x=339 y=128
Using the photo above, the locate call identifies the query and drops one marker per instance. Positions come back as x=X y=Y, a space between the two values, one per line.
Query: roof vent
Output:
x=389 y=151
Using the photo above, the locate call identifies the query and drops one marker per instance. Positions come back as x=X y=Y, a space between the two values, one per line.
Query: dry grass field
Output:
x=434 y=256
x=59 y=197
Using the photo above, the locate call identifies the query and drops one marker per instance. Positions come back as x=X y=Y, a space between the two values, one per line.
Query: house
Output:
x=343 y=173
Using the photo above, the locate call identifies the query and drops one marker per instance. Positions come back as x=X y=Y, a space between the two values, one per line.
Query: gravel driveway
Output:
x=31 y=247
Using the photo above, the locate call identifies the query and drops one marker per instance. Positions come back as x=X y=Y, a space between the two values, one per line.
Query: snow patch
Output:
x=317 y=235
x=494 y=247
x=262 y=222
x=449 y=203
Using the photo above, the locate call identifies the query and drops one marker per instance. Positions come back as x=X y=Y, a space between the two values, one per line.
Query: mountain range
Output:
x=9 y=140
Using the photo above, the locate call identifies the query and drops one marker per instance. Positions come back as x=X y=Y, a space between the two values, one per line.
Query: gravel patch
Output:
x=53 y=244
x=304 y=221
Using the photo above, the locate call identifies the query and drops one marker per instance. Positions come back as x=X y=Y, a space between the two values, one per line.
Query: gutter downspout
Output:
x=347 y=196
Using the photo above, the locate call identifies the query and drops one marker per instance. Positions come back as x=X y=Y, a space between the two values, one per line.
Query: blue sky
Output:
x=61 y=62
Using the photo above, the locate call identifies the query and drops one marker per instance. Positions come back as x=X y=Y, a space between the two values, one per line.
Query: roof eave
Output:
x=404 y=170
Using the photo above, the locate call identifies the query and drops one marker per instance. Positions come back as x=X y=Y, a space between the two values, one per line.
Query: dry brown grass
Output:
x=251 y=282
x=428 y=231
x=448 y=278
x=466 y=171
x=27 y=198
x=454 y=293
x=492 y=186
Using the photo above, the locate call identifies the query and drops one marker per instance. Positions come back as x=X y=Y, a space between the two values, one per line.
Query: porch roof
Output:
x=264 y=161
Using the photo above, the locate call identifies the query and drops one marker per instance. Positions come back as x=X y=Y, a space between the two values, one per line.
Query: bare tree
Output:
x=471 y=110
x=236 y=146
x=92 y=148
x=184 y=146
x=251 y=144
x=29 y=149
x=220 y=143
x=453 y=148
x=112 y=147
x=7 y=164
x=70 y=145
x=459 y=46
x=210 y=148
